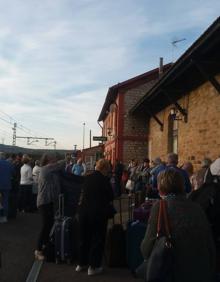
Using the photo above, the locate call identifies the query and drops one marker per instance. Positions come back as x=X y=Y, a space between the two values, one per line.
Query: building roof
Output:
x=185 y=74
x=127 y=84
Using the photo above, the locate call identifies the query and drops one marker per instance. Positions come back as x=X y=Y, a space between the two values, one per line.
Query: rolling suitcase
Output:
x=116 y=244
x=63 y=235
x=134 y=236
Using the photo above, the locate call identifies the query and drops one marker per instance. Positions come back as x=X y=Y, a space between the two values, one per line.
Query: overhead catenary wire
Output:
x=10 y=120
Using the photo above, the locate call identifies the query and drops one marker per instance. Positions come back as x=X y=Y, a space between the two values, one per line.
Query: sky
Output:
x=59 y=57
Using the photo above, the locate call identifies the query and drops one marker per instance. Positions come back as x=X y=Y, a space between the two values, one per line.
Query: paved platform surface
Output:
x=17 y=243
x=66 y=273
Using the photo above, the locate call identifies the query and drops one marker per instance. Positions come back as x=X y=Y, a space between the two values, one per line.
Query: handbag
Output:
x=161 y=260
x=130 y=184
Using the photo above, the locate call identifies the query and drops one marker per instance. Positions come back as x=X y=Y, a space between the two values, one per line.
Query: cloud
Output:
x=58 y=58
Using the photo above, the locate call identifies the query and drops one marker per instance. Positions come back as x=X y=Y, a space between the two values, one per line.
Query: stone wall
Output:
x=135 y=129
x=200 y=136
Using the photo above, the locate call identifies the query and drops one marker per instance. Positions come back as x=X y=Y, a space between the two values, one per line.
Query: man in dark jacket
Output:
x=6 y=170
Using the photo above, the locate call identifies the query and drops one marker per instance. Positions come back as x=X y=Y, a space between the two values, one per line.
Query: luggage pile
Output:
x=124 y=238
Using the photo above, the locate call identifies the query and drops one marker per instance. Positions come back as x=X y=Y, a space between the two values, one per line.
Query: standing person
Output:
x=35 y=174
x=84 y=168
x=26 y=182
x=48 y=191
x=93 y=218
x=6 y=173
x=172 y=162
x=193 y=246
x=17 y=164
x=69 y=163
x=143 y=172
x=118 y=177
x=36 y=171
x=132 y=175
x=78 y=168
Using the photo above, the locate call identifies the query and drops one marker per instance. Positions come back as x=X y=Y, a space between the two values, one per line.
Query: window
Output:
x=172 y=135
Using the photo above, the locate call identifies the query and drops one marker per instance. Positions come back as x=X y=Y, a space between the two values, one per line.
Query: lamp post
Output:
x=83 y=135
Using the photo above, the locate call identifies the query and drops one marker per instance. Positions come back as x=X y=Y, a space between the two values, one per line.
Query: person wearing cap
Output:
x=26 y=182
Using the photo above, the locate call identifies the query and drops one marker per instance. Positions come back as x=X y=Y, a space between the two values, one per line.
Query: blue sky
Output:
x=59 y=57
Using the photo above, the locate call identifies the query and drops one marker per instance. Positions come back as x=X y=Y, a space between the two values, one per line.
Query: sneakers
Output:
x=94 y=271
x=39 y=255
x=80 y=268
x=3 y=219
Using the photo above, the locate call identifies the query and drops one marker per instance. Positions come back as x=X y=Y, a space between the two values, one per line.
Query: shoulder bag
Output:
x=160 y=263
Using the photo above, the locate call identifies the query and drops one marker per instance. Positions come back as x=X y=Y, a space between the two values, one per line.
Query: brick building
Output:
x=126 y=134
x=183 y=107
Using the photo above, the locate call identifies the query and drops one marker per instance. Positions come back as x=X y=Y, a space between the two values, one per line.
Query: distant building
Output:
x=91 y=155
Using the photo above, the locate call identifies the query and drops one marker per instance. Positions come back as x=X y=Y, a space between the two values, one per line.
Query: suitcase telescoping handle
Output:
x=61 y=206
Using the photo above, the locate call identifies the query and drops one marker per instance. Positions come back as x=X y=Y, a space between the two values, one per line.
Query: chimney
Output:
x=161 y=67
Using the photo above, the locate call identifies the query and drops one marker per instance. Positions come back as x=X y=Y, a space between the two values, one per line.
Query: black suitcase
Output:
x=63 y=235
x=116 y=244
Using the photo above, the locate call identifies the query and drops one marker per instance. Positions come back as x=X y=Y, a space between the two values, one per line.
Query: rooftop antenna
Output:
x=174 y=45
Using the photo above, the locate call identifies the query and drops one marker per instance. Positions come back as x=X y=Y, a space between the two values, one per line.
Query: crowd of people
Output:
x=192 y=198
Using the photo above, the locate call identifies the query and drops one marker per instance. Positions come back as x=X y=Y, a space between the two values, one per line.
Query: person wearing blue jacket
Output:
x=172 y=162
x=6 y=173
